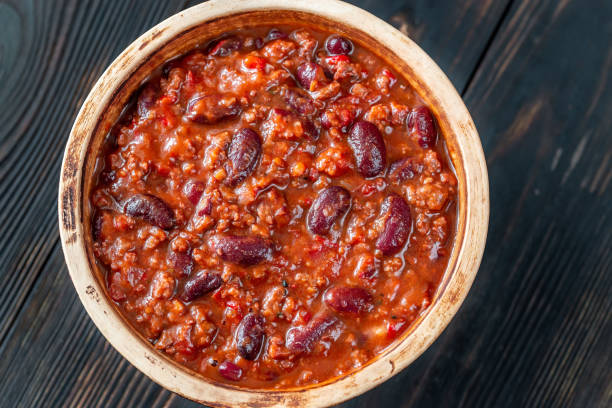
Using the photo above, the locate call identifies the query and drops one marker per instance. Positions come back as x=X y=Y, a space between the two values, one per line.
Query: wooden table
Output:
x=536 y=329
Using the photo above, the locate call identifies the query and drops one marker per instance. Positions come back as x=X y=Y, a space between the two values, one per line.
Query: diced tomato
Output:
x=335 y=59
x=395 y=327
x=389 y=74
x=167 y=118
x=254 y=63
x=162 y=170
x=368 y=188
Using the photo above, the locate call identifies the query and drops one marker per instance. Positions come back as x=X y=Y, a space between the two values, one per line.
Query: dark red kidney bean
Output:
x=301 y=104
x=345 y=299
x=147 y=98
x=404 y=169
x=280 y=112
x=108 y=177
x=210 y=109
x=150 y=209
x=96 y=225
x=242 y=249
x=204 y=207
x=224 y=46
x=325 y=122
x=368 y=148
x=302 y=339
x=243 y=154
x=250 y=336
x=275 y=34
x=422 y=122
x=338 y=45
x=169 y=66
x=368 y=268
x=308 y=72
x=258 y=43
x=201 y=284
x=310 y=130
x=397 y=224
x=332 y=203
x=230 y=371
x=181 y=261
x=193 y=190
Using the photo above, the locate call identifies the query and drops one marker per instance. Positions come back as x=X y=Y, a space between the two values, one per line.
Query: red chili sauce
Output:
x=275 y=208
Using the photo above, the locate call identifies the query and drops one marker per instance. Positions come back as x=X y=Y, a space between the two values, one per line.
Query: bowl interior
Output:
x=146 y=55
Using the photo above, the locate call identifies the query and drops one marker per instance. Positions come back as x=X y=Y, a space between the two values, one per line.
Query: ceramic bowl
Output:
x=181 y=33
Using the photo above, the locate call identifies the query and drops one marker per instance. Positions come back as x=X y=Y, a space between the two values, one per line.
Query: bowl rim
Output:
x=468 y=248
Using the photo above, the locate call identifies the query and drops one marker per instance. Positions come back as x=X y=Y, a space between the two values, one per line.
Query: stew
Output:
x=274 y=208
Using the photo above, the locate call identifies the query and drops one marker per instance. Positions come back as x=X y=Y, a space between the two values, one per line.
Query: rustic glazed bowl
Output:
x=180 y=34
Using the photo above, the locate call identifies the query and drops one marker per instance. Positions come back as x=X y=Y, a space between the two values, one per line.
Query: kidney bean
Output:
x=250 y=336
x=96 y=225
x=150 y=209
x=241 y=249
x=281 y=112
x=230 y=371
x=204 y=207
x=331 y=204
x=108 y=177
x=210 y=109
x=353 y=300
x=193 y=191
x=367 y=268
x=147 y=98
x=300 y=103
x=224 y=46
x=275 y=34
x=181 y=261
x=169 y=66
x=243 y=154
x=200 y=284
x=421 y=121
x=338 y=45
x=368 y=148
x=258 y=43
x=310 y=130
x=404 y=169
x=302 y=338
x=397 y=225
x=307 y=72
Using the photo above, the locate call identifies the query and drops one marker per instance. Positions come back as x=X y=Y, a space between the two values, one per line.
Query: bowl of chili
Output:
x=266 y=203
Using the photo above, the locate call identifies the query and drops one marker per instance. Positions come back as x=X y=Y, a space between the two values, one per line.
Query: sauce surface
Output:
x=275 y=208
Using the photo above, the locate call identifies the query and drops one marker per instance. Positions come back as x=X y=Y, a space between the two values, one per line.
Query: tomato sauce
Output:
x=275 y=208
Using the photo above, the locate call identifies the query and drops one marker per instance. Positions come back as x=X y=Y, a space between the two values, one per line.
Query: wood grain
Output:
x=536 y=327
